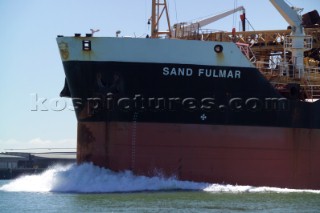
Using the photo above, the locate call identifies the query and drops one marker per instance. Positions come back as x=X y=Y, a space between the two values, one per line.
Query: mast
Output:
x=158 y=8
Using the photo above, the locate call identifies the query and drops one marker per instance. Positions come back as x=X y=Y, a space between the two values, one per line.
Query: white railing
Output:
x=289 y=44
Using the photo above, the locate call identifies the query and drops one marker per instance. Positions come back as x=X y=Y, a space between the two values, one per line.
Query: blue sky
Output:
x=31 y=65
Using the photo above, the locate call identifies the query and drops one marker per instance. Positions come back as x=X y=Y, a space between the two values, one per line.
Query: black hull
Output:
x=189 y=94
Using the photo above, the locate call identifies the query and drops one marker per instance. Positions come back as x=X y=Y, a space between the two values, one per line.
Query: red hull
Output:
x=243 y=155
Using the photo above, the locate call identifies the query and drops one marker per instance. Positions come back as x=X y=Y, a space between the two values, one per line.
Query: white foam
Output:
x=215 y=188
x=87 y=178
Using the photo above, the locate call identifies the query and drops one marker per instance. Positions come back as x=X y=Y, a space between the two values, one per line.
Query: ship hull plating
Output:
x=243 y=155
x=178 y=108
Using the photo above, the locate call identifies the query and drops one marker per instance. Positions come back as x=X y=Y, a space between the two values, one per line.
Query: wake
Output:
x=87 y=178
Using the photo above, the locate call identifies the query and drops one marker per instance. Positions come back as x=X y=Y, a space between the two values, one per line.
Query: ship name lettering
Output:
x=177 y=71
x=219 y=73
x=202 y=72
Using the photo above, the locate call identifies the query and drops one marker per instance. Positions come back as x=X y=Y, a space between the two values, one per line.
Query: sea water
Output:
x=87 y=188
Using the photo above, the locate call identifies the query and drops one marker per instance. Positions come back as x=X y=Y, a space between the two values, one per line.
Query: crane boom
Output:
x=209 y=20
x=297 y=43
x=289 y=14
x=183 y=28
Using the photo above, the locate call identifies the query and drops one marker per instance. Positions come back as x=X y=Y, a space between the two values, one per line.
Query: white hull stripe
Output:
x=151 y=51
